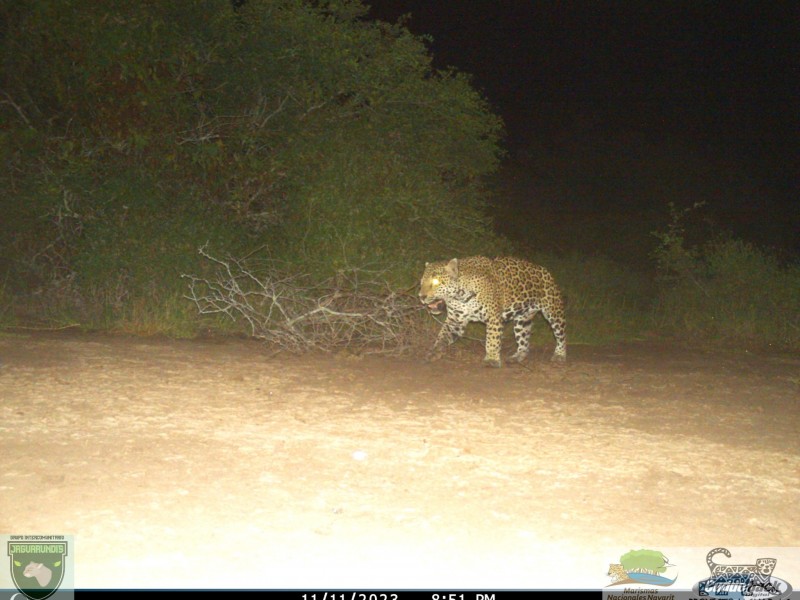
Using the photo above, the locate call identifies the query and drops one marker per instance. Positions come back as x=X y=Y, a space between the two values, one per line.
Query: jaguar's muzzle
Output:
x=436 y=307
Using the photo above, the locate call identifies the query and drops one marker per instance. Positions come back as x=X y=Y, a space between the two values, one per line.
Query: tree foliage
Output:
x=298 y=126
x=644 y=561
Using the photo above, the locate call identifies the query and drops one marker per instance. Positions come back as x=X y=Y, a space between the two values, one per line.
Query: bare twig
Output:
x=267 y=118
x=16 y=106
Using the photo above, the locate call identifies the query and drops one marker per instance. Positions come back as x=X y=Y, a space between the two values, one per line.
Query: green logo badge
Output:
x=648 y=567
x=37 y=568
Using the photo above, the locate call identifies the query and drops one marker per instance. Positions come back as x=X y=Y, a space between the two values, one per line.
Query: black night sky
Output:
x=723 y=77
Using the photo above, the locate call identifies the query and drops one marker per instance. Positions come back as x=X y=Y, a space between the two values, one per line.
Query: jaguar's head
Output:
x=437 y=278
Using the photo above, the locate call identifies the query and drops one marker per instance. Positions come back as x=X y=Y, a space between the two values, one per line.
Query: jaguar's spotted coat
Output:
x=493 y=291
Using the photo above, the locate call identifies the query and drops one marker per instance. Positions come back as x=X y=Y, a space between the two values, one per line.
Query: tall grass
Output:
x=605 y=301
x=731 y=291
x=6 y=306
x=725 y=289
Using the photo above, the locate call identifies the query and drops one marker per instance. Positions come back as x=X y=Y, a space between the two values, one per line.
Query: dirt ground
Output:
x=215 y=464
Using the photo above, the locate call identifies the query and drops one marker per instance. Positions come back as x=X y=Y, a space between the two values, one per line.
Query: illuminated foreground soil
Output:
x=214 y=464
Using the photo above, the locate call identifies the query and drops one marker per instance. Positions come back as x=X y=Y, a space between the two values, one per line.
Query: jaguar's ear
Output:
x=452 y=268
x=427 y=263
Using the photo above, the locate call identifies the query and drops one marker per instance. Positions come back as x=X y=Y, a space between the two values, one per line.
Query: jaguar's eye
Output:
x=435 y=281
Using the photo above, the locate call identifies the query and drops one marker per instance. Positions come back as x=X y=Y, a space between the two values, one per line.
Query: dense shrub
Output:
x=134 y=132
x=726 y=289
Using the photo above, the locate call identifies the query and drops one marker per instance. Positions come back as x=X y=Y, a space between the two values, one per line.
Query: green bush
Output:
x=726 y=290
x=133 y=249
x=134 y=132
x=110 y=255
x=734 y=292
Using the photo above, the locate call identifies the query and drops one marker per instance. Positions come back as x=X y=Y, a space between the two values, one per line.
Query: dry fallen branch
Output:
x=295 y=314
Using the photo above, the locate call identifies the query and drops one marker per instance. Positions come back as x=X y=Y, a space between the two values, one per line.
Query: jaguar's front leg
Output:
x=494 y=335
x=451 y=330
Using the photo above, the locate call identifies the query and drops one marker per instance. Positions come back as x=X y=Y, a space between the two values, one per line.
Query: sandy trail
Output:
x=210 y=464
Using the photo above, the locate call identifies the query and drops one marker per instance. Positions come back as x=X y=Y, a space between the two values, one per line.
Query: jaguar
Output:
x=493 y=291
x=618 y=573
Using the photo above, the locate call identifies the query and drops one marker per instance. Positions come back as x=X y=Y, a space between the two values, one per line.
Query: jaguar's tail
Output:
x=710 y=562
